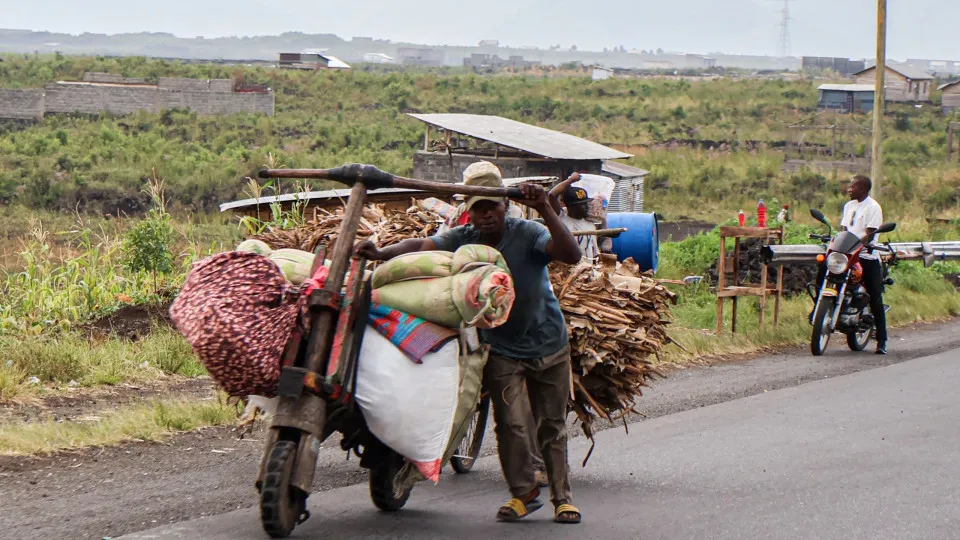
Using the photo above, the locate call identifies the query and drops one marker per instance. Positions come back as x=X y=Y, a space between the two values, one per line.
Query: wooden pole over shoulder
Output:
x=879 y=96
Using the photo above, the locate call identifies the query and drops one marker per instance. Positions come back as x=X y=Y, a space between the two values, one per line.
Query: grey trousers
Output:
x=523 y=391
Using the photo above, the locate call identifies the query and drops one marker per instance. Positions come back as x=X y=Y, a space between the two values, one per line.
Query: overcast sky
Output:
x=918 y=28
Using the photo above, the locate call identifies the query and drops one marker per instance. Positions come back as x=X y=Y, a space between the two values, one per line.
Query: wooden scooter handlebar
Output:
x=374 y=178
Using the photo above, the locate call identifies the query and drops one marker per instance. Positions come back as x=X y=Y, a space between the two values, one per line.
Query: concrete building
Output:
x=420 y=56
x=950 y=96
x=378 y=58
x=520 y=150
x=698 y=61
x=310 y=60
x=901 y=82
x=938 y=67
x=843 y=66
x=600 y=73
x=847 y=98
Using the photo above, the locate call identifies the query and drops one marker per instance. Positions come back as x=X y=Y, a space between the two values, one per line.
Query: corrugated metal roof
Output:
x=909 y=72
x=948 y=85
x=532 y=139
x=848 y=87
x=310 y=196
x=623 y=170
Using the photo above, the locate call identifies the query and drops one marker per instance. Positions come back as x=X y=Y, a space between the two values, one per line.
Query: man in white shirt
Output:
x=574 y=216
x=862 y=216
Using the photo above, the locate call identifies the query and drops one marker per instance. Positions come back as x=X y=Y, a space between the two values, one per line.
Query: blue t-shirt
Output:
x=535 y=327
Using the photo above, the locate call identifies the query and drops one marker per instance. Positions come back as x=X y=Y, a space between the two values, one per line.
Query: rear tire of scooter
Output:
x=820 y=338
x=281 y=504
x=473 y=441
x=381 y=485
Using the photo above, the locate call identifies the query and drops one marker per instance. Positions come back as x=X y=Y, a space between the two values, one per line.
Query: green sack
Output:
x=254 y=246
x=294 y=264
x=419 y=264
x=430 y=299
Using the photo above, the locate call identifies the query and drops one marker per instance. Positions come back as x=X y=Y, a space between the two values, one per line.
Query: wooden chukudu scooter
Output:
x=316 y=382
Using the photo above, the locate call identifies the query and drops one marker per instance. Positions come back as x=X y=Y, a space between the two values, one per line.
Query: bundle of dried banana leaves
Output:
x=616 y=317
x=378 y=224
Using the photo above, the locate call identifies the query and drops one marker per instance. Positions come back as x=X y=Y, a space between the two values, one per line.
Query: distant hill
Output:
x=266 y=48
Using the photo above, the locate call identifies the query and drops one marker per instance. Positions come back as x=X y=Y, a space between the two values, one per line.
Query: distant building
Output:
x=846 y=98
x=843 y=66
x=658 y=64
x=311 y=60
x=420 y=56
x=950 y=96
x=378 y=58
x=479 y=60
x=697 y=61
x=489 y=43
x=901 y=83
x=938 y=67
x=600 y=73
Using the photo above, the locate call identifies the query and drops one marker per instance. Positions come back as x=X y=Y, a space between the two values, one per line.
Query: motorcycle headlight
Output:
x=836 y=263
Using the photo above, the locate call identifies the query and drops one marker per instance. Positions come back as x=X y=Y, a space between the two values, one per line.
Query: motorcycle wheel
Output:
x=282 y=506
x=857 y=341
x=466 y=454
x=821 y=326
x=381 y=485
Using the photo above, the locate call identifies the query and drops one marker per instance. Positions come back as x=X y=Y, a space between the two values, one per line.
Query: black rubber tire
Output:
x=819 y=340
x=859 y=342
x=381 y=485
x=473 y=441
x=281 y=504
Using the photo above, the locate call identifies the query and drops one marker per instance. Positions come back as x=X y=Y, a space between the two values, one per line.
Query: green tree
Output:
x=146 y=246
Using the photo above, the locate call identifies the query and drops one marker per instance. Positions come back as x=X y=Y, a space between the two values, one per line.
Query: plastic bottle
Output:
x=761 y=214
x=741 y=218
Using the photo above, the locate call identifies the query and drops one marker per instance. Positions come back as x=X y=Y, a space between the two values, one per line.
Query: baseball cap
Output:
x=575 y=195
x=482 y=173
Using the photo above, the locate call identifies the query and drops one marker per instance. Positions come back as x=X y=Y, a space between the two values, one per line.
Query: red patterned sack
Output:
x=237 y=311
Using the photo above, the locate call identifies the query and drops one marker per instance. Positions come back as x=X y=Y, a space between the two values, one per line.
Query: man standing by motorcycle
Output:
x=862 y=216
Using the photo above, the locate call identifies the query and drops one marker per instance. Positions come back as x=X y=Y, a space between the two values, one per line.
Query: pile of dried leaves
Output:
x=616 y=316
x=378 y=224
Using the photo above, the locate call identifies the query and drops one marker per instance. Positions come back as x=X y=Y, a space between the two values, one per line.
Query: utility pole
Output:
x=879 y=95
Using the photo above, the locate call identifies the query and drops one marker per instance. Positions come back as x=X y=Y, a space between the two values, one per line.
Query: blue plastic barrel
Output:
x=641 y=240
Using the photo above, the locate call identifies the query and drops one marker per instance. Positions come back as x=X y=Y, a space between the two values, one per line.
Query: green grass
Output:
x=58 y=360
x=150 y=422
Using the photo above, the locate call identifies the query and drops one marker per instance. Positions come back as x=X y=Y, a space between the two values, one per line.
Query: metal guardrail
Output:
x=928 y=252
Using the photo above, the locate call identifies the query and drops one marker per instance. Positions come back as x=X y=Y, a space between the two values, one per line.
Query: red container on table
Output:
x=761 y=214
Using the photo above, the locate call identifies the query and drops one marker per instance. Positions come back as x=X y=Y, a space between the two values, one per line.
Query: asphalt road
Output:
x=866 y=455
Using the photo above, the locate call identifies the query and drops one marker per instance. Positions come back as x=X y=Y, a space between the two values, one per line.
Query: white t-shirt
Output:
x=588 y=244
x=858 y=216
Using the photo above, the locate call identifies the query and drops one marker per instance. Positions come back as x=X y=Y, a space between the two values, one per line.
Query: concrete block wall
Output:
x=127 y=100
x=440 y=167
x=21 y=104
x=195 y=85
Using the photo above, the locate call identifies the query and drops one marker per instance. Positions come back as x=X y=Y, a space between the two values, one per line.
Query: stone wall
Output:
x=440 y=167
x=195 y=85
x=21 y=104
x=120 y=100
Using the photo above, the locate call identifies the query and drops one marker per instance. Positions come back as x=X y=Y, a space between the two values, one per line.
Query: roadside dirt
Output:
x=131 y=322
x=101 y=493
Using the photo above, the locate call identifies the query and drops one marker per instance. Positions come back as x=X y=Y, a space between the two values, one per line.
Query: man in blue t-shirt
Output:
x=531 y=350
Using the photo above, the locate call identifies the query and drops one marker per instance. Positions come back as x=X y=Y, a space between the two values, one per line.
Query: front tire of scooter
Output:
x=381 y=485
x=282 y=506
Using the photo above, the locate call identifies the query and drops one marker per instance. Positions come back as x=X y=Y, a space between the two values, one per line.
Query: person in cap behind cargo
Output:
x=574 y=216
x=530 y=354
